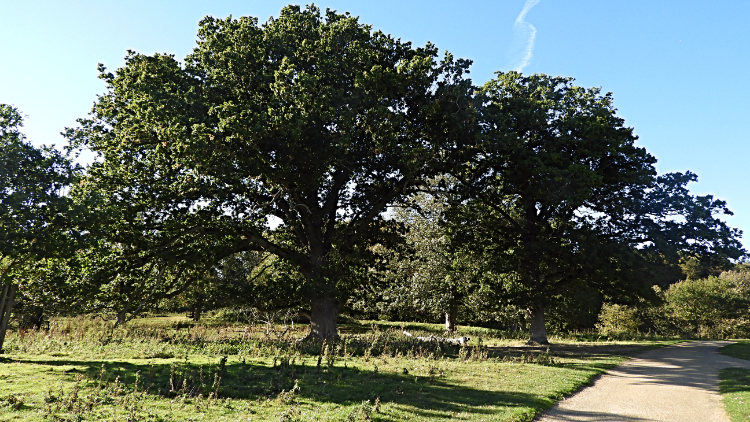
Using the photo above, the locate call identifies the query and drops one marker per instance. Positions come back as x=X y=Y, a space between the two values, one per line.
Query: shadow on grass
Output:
x=740 y=350
x=734 y=380
x=433 y=398
x=583 y=350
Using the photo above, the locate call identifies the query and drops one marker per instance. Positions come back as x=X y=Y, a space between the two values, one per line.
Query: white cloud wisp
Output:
x=523 y=36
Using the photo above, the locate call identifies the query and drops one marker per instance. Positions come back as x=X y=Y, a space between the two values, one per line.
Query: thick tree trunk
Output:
x=198 y=309
x=122 y=318
x=537 y=329
x=452 y=313
x=450 y=320
x=323 y=316
x=7 y=297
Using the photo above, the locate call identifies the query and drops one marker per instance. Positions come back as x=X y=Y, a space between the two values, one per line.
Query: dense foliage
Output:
x=311 y=164
x=311 y=123
x=35 y=213
x=561 y=197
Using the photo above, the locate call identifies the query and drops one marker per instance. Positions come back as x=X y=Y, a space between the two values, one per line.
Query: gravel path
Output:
x=675 y=383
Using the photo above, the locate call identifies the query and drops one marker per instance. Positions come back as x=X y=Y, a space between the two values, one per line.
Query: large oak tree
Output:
x=563 y=198
x=291 y=137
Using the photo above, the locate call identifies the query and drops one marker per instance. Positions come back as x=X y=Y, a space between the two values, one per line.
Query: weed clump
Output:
x=12 y=402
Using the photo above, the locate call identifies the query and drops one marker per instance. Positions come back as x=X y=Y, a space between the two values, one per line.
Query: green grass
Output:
x=735 y=383
x=163 y=369
x=735 y=390
x=740 y=349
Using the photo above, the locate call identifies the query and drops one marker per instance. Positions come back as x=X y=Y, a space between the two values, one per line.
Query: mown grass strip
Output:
x=735 y=383
x=735 y=391
x=740 y=349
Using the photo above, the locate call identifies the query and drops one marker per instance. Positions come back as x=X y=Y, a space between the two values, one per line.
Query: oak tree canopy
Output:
x=290 y=137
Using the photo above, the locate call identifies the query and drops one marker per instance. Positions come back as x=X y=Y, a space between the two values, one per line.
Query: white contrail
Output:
x=521 y=28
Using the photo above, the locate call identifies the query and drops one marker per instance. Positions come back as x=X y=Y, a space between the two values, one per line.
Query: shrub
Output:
x=618 y=320
x=715 y=307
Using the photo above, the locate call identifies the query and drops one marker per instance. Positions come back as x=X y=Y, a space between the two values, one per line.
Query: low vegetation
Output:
x=735 y=390
x=712 y=307
x=168 y=368
x=735 y=383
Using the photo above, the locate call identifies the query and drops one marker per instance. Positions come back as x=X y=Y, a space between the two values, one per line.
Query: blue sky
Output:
x=678 y=69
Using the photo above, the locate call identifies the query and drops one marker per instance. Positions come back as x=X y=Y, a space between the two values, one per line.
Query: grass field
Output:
x=735 y=383
x=168 y=369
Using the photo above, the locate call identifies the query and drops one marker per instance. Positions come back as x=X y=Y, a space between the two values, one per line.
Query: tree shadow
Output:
x=587 y=350
x=430 y=397
x=591 y=416
x=688 y=370
x=734 y=380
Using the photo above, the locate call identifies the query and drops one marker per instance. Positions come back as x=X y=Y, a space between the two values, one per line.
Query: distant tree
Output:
x=310 y=121
x=561 y=195
x=428 y=275
x=35 y=213
x=247 y=279
x=696 y=266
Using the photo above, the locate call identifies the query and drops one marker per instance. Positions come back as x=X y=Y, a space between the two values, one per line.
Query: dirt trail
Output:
x=675 y=383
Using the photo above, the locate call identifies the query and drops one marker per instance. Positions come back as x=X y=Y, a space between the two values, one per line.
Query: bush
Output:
x=715 y=307
x=616 y=320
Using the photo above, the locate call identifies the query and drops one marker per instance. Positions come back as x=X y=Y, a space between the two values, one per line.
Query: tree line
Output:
x=312 y=163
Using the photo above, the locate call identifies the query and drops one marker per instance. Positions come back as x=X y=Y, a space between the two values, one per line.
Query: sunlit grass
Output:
x=735 y=383
x=169 y=369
